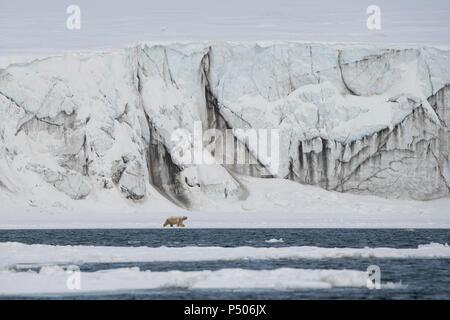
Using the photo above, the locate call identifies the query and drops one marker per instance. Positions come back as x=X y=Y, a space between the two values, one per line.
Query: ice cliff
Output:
x=352 y=118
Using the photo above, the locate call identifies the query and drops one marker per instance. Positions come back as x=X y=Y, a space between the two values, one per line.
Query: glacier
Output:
x=363 y=119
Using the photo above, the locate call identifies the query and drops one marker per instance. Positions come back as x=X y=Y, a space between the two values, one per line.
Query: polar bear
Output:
x=175 y=220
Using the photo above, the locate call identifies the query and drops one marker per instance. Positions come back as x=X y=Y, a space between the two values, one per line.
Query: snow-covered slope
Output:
x=364 y=119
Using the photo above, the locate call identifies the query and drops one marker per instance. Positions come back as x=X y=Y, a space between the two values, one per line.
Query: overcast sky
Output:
x=40 y=26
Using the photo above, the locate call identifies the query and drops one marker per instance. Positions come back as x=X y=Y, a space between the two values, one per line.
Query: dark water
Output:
x=425 y=278
x=329 y=238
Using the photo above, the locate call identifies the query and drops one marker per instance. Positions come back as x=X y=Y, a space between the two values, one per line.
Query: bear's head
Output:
x=183 y=218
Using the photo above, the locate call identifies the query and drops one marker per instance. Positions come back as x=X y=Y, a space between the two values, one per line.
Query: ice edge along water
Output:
x=52 y=278
x=14 y=253
x=353 y=118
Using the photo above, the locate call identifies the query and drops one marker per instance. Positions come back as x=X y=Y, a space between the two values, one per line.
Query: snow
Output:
x=86 y=112
x=13 y=253
x=18 y=261
x=41 y=27
x=52 y=279
x=85 y=137
x=299 y=90
x=272 y=203
x=83 y=112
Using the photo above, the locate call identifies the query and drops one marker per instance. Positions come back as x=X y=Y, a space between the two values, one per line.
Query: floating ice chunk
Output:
x=52 y=279
x=273 y=240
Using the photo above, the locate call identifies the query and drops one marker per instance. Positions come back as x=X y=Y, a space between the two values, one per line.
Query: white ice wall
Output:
x=92 y=122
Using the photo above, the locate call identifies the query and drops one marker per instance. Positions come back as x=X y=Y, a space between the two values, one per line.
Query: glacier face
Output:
x=352 y=118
